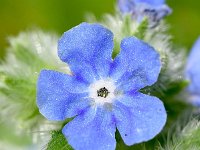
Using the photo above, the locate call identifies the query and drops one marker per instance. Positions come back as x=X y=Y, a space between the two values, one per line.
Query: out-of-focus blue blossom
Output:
x=155 y=10
x=193 y=73
x=102 y=94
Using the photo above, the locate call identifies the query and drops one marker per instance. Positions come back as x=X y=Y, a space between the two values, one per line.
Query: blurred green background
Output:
x=60 y=15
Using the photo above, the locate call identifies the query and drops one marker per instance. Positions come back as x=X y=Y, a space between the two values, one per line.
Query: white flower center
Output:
x=102 y=91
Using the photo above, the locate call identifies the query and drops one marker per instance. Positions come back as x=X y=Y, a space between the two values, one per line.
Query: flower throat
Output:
x=102 y=92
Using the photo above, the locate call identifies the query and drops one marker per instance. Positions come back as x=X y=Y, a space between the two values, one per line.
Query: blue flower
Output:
x=155 y=10
x=102 y=94
x=193 y=73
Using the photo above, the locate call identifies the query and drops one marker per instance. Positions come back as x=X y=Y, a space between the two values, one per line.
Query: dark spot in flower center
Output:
x=102 y=92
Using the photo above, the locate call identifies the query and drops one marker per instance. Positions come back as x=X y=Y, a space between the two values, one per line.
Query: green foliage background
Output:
x=60 y=15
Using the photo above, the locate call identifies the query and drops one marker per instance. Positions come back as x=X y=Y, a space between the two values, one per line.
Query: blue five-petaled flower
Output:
x=193 y=73
x=155 y=10
x=102 y=93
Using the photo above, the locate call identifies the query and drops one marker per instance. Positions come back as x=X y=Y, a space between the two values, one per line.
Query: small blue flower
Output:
x=193 y=73
x=102 y=94
x=155 y=10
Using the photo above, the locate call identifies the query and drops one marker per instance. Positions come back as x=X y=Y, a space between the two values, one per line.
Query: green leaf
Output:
x=126 y=27
x=28 y=54
x=184 y=135
x=142 y=29
x=58 y=142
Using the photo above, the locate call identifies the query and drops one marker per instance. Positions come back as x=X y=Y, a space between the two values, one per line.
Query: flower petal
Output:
x=55 y=97
x=193 y=68
x=126 y=6
x=139 y=117
x=136 y=66
x=151 y=2
x=87 y=48
x=154 y=10
x=91 y=130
